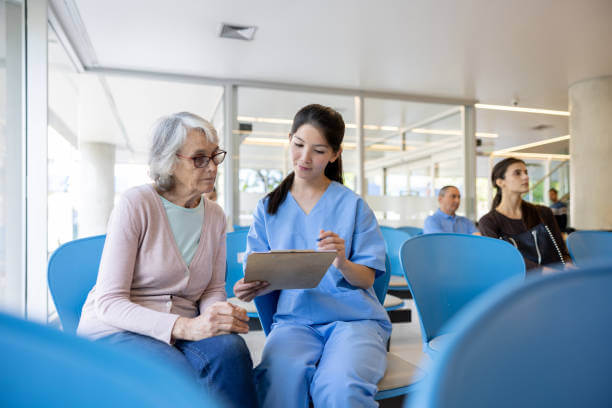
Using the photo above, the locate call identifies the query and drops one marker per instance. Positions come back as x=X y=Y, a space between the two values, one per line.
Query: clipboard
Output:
x=288 y=269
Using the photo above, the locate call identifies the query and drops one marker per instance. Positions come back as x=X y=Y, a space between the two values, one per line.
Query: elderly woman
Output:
x=161 y=282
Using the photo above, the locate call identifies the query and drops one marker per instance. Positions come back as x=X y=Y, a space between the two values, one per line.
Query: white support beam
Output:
x=36 y=163
x=232 y=146
x=364 y=93
x=362 y=187
x=468 y=116
x=13 y=295
x=547 y=181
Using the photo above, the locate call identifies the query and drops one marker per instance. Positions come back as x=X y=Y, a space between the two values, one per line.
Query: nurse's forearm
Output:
x=358 y=275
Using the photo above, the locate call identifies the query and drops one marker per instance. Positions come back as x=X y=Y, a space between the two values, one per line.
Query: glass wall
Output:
x=99 y=137
x=12 y=278
x=93 y=119
x=264 y=120
x=412 y=150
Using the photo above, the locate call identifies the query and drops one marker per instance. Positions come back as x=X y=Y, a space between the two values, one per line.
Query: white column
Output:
x=12 y=176
x=97 y=187
x=468 y=115
x=232 y=162
x=591 y=152
x=432 y=179
x=36 y=153
x=362 y=187
x=547 y=182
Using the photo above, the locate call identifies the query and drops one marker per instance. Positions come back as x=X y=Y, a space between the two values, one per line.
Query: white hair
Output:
x=168 y=135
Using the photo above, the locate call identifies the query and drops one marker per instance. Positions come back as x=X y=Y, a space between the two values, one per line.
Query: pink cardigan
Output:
x=143 y=282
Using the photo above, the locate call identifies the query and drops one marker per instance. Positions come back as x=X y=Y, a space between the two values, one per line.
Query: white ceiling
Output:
x=491 y=50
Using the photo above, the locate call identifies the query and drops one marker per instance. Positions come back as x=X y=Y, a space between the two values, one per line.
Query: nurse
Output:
x=328 y=343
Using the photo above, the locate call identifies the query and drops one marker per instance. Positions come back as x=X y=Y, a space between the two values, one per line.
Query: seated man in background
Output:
x=559 y=209
x=444 y=219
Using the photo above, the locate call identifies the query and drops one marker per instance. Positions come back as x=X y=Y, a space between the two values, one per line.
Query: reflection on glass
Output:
x=412 y=150
x=264 y=118
x=12 y=292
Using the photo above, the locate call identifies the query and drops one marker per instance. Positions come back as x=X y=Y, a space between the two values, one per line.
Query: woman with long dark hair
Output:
x=531 y=228
x=328 y=343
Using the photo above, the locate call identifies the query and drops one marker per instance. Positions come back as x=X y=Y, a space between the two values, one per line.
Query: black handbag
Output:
x=537 y=244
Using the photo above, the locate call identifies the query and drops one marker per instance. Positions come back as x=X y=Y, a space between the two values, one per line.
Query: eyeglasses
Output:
x=203 y=160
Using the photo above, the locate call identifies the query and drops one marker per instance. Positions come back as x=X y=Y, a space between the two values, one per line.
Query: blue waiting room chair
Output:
x=447 y=271
x=589 y=246
x=43 y=367
x=236 y=248
x=400 y=377
x=71 y=273
x=394 y=238
x=541 y=343
x=413 y=231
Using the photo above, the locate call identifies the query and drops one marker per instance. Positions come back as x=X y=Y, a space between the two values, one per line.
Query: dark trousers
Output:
x=221 y=365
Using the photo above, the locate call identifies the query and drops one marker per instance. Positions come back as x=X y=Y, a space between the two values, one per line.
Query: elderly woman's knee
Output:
x=229 y=347
x=232 y=345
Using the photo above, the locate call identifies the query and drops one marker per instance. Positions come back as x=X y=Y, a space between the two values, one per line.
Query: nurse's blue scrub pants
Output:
x=338 y=364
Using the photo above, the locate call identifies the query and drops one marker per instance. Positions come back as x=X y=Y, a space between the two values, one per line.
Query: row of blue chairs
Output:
x=73 y=269
x=539 y=343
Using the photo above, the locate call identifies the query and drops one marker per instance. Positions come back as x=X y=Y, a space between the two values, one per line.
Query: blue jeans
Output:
x=221 y=365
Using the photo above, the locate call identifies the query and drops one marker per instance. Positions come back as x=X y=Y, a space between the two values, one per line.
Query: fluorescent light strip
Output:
x=280 y=121
x=367 y=127
x=269 y=141
x=437 y=132
x=534 y=144
x=541 y=156
x=519 y=109
x=260 y=132
x=487 y=135
x=277 y=121
x=451 y=132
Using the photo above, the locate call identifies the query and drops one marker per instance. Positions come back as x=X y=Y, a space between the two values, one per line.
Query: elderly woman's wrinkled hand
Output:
x=218 y=318
x=247 y=291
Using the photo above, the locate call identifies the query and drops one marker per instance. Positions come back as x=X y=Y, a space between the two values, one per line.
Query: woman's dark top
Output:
x=494 y=224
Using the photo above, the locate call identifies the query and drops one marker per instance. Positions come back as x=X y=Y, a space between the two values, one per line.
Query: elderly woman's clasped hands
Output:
x=218 y=318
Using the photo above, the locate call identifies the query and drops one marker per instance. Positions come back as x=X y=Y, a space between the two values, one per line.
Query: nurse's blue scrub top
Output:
x=339 y=210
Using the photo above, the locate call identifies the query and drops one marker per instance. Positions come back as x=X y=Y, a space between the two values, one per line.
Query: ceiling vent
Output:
x=237 y=32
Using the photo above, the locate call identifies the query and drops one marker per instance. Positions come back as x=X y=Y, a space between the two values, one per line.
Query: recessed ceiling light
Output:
x=237 y=32
x=519 y=109
x=534 y=144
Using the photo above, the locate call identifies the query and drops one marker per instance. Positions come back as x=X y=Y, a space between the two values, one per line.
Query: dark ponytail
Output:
x=499 y=172
x=330 y=123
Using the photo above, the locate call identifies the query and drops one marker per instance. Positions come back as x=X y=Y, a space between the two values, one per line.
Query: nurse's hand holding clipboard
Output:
x=357 y=275
x=248 y=291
